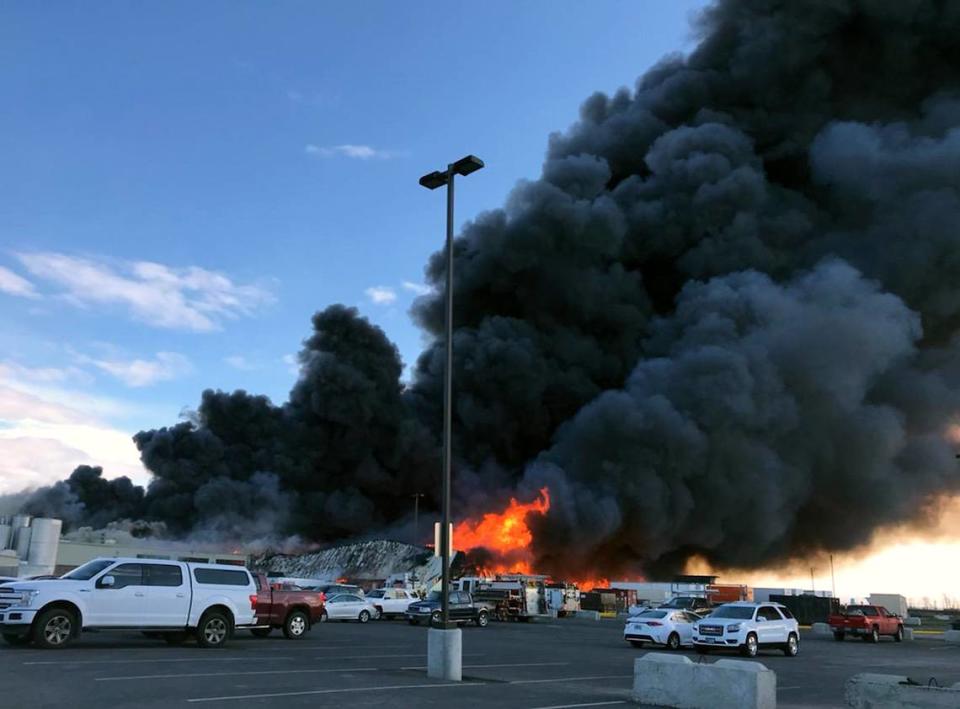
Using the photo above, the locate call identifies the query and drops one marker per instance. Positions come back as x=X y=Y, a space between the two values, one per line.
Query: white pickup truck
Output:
x=168 y=599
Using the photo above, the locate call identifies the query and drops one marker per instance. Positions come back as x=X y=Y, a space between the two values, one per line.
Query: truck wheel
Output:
x=174 y=638
x=378 y=614
x=874 y=636
x=482 y=619
x=261 y=632
x=54 y=628
x=899 y=635
x=296 y=625
x=792 y=647
x=838 y=636
x=214 y=630
x=750 y=647
x=16 y=640
x=435 y=618
x=364 y=616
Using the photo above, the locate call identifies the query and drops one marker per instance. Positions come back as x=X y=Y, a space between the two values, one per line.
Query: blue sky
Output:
x=186 y=183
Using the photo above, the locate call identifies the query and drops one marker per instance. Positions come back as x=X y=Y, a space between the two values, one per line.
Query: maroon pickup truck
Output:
x=292 y=609
x=866 y=622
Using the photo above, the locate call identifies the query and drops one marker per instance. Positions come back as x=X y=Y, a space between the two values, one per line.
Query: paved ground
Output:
x=563 y=663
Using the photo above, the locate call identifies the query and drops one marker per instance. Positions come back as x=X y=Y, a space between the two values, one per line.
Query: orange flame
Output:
x=503 y=532
x=508 y=536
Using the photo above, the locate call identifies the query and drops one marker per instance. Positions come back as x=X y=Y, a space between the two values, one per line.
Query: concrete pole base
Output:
x=444 y=654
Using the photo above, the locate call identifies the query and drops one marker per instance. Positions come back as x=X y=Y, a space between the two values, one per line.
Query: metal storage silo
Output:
x=44 y=541
x=20 y=522
x=23 y=543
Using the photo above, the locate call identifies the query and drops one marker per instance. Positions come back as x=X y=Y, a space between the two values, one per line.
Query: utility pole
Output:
x=833 y=578
x=416 y=517
x=813 y=586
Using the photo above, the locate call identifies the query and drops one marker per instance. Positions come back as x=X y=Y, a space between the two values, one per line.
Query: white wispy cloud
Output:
x=46 y=432
x=240 y=362
x=190 y=298
x=417 y=288
x=137 y=373
x=381 y=295
x=13 y=284
x=292 y=363
x=349 y=150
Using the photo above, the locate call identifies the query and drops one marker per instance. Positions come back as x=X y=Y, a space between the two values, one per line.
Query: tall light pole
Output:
x=443 y=656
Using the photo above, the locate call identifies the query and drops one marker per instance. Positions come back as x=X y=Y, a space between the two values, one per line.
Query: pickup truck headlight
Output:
x=27 y=596
x=735 y=628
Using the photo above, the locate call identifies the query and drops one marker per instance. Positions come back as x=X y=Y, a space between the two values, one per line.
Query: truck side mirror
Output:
x=106 y=582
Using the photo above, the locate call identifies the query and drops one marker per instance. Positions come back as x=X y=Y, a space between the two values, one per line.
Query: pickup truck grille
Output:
x=8 y=598
x=711 y=630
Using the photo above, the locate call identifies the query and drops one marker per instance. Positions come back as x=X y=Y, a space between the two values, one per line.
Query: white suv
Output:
x=748 y=627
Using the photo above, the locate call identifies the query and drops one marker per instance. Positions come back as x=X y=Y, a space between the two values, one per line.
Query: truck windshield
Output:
x=375 y=594
x=88 y=570
x=735 y=612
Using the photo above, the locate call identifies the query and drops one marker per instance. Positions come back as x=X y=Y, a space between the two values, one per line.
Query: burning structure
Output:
x=722 y=323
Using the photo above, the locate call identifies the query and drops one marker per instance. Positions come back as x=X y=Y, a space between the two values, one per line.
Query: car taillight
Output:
x=253 y=601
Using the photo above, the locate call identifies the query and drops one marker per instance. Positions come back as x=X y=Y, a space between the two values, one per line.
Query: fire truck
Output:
x=516 y=597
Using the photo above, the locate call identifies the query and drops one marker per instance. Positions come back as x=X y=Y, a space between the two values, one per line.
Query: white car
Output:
x=391 y=602
x=748 y=627
x=348 y=606
x=165 y=599
x=661 y=626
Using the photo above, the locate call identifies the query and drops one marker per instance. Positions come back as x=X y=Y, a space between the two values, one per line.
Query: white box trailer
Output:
x=893 y=602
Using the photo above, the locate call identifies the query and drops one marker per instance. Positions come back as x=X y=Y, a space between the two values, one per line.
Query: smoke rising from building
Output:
x=722 y=323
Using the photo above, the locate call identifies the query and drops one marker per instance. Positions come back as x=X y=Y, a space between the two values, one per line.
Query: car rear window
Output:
x=652 y=614
x=221 y=577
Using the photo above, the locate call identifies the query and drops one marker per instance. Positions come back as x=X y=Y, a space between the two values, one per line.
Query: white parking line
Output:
x=231 y=674
x=588 y=704
x=567 y=679
x=235 y=658
x=504 y=664
x=334 y=691
x=241 y=658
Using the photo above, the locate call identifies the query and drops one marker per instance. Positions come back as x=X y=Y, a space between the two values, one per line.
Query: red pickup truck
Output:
x=292 y=609
x=867 y=622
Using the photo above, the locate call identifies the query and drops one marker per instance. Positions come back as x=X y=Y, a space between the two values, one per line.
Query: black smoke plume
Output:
x=722 y=323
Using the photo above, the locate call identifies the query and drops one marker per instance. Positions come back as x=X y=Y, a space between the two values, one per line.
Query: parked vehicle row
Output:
x=742 y=626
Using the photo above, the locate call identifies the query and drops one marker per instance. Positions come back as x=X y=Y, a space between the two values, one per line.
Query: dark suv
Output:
x=462 y=610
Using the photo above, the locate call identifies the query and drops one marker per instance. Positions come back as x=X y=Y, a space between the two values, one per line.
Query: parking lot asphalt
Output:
x=562 y=663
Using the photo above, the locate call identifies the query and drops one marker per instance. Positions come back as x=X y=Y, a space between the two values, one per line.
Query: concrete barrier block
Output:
x=821 y=629
x=588 y=615
x=873 y=691
x=952 y=636
x=913 y=622
x=674 y=681
x=908 y=633
x=444 y=654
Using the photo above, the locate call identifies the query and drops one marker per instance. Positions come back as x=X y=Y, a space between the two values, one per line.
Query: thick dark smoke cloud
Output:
x=723 y=322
